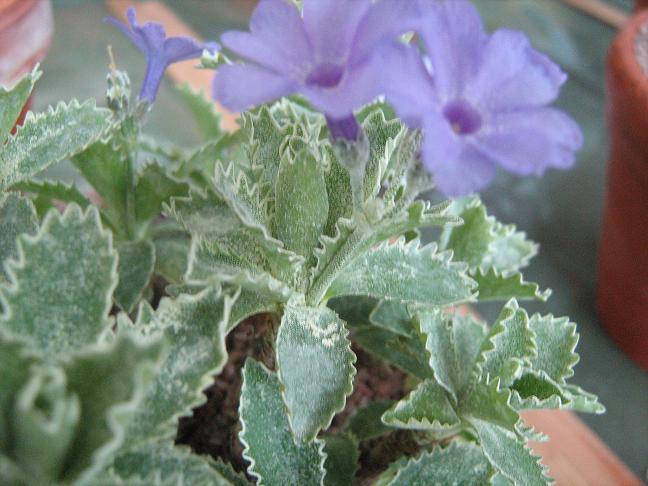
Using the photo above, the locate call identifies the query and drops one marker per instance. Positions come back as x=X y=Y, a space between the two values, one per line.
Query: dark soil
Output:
x=213 y=428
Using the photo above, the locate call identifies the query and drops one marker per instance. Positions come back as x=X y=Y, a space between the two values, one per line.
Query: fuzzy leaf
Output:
x=13 y=100
x=164 y=464
x=109 y=382
x=453 y=343
x=172 y=247
x=495 y=286
x=61 y=303
x=366 y=422
x=48 y=192
x=556 y=340
x=490 y=403
x=315 y=364
x=17 y=216
x=510 y=346
x=195 y=328
x=49 y=137
x=301 y=203
x=407 y=354
x=425 y=408
x=460 y=463
x=402 y=271
x=510 y=456
x=154 y=187
x=338 y=189
x=484 y=243
x=382 y=137
x=204 y=214
x=392 y=316
x=105 y=167
x=202 y=110
x=342 y=456
x=266 y=434
x=136 y=262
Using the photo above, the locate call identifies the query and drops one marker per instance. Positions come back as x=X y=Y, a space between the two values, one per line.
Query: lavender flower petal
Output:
x=159 y=50
x=528 y=142
x=513 y=75
x=238 y=87
x=332 y=29
x=454 y=36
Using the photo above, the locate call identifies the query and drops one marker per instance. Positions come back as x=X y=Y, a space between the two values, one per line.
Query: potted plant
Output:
x=279 y=268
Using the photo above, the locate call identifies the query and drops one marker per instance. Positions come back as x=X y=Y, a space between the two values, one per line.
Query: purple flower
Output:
x=159 y=50
x=325 y=56
x=481 y=100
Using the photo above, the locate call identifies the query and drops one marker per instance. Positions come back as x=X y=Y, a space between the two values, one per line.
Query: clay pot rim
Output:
x=625 y=53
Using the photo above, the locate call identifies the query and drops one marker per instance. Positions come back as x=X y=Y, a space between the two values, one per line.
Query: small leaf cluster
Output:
x=114 y=311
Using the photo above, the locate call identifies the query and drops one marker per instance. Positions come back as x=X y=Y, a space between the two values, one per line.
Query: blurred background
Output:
x=561 y=211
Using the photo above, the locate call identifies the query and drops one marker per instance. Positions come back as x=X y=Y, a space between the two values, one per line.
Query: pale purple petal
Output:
x=238 y=87
x=135 y=39
x=385 y=20
x=278 y=25
x=358 y=86
x=181 y=48
x=454 y=36
x=256 y=50
x=457 y=167
x=406 y=84
x=331 y=26
x=513 y=75
x=528 y=142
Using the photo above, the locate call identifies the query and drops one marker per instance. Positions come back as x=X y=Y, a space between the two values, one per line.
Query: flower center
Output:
x=463 y=117
x=325 y=75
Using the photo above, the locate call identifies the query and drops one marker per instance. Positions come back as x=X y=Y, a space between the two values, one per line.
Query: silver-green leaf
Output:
x=315 y=365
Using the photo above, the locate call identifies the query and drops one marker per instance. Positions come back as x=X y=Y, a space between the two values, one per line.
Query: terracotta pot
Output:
x=623 y=261
x=25 y=34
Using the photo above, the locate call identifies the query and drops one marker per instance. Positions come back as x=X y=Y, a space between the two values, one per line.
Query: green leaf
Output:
x=353 y=310
x=164 y=464
x=267 y=139
x=392 y=316
x=460 y=463
x=48 y=192
x=382 y=136
x=509 y=347
x=366 y=421
x=275 y=457
x=495 y=286
x=556 y=340
x=315 y=364
x=17 y=216
x=342 y=456
x=202 y=110
x=194 y=325
x=425 y=408
x=61 y=303
x=13 y=100
x=454 y=343
x=407 y=354
x=400 y=271
x=301 y=203
x=136 y=262
x=105 y=167
x=109 y=382
x=153 y=188
x=510 y=456
x=484 y=243
x=50 y=137
x=172 y=247
x=338 y=190
x=204 y=214
x=490 y=403
x=582 y=401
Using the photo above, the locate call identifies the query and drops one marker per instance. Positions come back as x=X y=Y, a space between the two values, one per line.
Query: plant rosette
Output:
x=266 y=298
